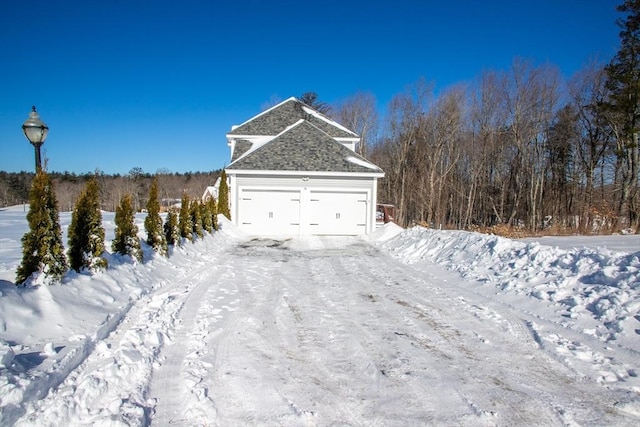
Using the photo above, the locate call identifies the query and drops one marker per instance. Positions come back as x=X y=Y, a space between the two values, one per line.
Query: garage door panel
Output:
x=270 y=211
x=338 y=213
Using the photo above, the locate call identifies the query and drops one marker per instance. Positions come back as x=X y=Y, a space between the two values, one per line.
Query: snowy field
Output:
x=404 y=327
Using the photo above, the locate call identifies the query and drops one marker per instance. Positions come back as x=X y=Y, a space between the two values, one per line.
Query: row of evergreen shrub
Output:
x=42 y=248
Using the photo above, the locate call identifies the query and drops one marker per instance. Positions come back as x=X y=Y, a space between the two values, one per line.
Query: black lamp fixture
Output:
x=36 y=132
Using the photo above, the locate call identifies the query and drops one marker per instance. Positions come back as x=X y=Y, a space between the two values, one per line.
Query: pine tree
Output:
x=126 y=241
x=171 y=228
x=86 y=234
x=153 y=222
x=196 y=219
x=207 y=220
x=623 y=108
x=42 y=249
x=184 y=221
x=311 y=99
x=624 y=70
x=213 y=210
x=223 y=196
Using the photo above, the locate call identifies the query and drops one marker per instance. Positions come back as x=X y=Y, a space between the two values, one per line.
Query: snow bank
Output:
x=384 y=233
x=584 y=282
x=46 y=332
x=226 y=228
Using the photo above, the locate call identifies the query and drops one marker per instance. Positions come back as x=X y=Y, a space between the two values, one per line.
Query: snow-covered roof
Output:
x=211 y=191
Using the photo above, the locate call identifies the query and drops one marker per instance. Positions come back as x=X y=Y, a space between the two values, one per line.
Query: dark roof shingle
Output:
x=274 y=121
x=304 y=147
x=241 y=147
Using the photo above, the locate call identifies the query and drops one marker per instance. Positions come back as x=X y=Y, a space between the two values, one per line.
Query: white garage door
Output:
x=343 y=213
x=268 y=212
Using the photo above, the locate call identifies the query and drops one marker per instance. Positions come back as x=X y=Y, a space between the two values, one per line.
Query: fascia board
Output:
x=305 y=173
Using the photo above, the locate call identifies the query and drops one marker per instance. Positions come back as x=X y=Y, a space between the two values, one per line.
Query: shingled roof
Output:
x=276 y=119
x=303 y=147
x=242 y=146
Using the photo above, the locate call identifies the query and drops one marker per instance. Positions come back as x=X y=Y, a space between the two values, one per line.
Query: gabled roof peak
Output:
x=293 y=98
x=277 y=118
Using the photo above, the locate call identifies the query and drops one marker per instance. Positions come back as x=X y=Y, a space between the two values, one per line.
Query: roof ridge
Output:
x=292 y=98
x=273 y=120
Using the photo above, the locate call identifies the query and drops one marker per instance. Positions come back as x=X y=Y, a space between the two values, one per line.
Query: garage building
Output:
x=294 y=171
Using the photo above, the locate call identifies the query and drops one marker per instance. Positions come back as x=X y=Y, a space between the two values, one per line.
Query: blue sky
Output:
x=158 y=84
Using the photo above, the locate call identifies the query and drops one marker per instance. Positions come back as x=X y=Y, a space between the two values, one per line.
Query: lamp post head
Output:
x=35 y=129
x=36 y=132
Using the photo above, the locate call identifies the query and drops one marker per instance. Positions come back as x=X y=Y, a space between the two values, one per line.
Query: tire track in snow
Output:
x=348 y=335
x=533 y=379
x=111 y=385
x=325 y=342
x=586 y=356
x=249 y=350
x=210 y=344
x=266 y=344
x=415 y=359
x=174 y=384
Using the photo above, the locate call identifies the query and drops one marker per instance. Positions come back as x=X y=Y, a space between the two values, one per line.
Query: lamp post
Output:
x=36 y=132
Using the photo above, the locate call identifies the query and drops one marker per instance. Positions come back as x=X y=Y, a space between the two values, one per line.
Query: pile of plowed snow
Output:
x=583 y=282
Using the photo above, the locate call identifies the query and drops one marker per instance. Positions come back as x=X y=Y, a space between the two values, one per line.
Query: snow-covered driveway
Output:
x=428 y=328
x=335 y=332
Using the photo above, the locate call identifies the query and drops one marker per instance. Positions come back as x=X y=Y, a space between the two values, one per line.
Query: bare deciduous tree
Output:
x=359 y=114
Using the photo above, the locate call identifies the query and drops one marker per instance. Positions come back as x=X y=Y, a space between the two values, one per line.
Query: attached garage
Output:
x=294 y=172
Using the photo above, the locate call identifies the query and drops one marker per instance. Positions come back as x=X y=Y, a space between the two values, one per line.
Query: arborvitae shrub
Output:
x=196 y=218
x=42 y=249
x=223 y=196
x=86 y=234
x=205 y=213
x=171 y=228
x=153 y=222
x=184 y=221
x=126 y=241
x=213 y=210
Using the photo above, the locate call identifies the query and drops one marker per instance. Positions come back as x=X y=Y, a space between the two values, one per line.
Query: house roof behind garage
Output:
x=276 y=119
x=304 y=147
x=242 y=146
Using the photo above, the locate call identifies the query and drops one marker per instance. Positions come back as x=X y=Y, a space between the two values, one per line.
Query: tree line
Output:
x=521 y=148
x=15 y=186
